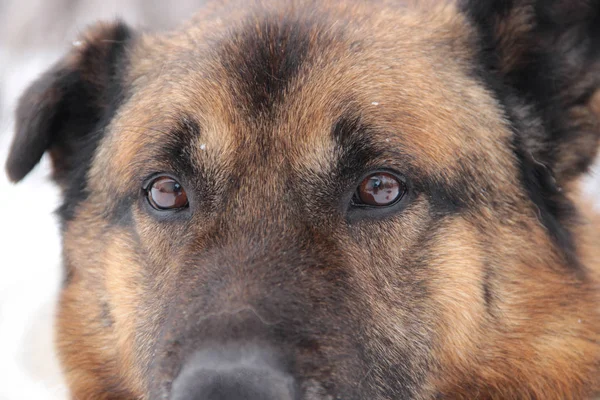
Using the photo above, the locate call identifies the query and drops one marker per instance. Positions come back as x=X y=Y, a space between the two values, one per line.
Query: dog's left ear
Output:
x=546 y=55
x=62 y=112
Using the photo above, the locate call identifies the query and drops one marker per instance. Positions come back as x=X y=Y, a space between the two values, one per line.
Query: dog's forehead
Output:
x=285 y=78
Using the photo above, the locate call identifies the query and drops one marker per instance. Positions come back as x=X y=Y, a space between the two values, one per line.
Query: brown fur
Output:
x=464 y=294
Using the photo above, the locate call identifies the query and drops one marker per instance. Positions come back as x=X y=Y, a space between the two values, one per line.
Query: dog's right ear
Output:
x=65 y=110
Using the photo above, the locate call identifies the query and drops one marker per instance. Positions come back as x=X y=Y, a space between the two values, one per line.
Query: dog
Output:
x=320 y=200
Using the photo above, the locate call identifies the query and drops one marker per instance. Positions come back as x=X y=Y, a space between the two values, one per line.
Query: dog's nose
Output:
x=233 y=375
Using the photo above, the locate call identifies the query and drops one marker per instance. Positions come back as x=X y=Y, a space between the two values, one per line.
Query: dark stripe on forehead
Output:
x=263 y=57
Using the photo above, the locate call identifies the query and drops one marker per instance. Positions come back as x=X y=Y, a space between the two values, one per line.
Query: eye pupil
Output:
x=380 y=189
x=166 y=193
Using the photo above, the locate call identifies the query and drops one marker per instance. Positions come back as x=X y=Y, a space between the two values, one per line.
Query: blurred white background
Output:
x=34 y=34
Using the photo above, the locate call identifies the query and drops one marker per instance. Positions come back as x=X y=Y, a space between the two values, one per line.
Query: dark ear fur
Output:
x=65 y=110
x=547 y=53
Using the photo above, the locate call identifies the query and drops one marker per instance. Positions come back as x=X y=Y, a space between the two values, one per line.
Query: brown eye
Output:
x=379 y=190
x=165 y=193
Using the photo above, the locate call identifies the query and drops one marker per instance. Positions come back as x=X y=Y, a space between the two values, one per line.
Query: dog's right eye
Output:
x=165 y=193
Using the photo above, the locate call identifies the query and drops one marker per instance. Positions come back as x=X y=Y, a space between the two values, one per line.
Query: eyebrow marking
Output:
x=177 y=148
x=354 y=144
x=188 y=127
x=347 y=125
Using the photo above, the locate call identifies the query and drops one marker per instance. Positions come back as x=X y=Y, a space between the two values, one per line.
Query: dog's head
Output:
x=326 y=200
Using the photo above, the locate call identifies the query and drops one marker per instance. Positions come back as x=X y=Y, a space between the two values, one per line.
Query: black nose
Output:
x=233 y=375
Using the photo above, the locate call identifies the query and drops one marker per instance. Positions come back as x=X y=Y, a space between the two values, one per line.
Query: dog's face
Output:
x=326 y=201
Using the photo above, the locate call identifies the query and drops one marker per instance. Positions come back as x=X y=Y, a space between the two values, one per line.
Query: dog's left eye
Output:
x=380 y=189
x=165 y=193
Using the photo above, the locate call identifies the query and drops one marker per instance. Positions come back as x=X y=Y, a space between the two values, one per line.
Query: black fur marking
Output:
x=120 y=212
x=355 y=144
x=446 y=198
x=177 y=150
x=558 y=69
x=563 y=64
x=488 y=296
x=554 y=210
x=263 y=57
x=86 y=120
x=33 y=133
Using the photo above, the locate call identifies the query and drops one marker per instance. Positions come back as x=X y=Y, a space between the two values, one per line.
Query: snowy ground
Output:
x=29 y=243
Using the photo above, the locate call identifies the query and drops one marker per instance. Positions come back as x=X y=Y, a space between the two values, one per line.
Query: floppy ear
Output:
x=65 y=110
x=547 y=54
